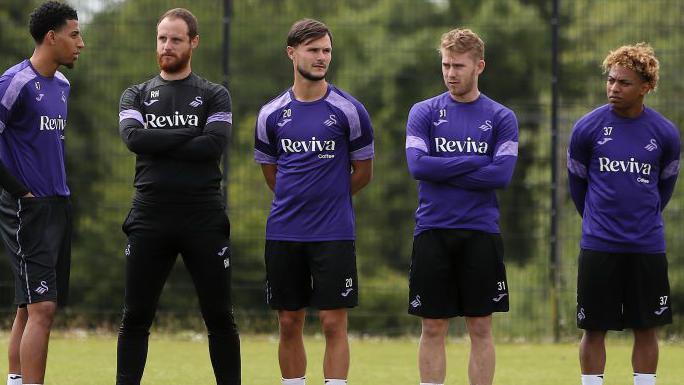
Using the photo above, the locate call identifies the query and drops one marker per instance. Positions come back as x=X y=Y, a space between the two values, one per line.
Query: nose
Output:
x=614 y=88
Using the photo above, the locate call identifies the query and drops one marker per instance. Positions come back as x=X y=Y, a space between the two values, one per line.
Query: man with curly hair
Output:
x=35 y=218
x=623 y=162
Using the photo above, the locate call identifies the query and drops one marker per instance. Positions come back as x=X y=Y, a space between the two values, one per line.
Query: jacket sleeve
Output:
x=140 y=139
x=211 y=142
x=499 y=172
x=421 y=164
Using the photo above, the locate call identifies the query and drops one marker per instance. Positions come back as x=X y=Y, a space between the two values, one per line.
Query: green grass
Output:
x=86 y=359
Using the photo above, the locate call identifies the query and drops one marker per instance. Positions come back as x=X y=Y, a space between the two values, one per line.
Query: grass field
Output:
x=182 y=359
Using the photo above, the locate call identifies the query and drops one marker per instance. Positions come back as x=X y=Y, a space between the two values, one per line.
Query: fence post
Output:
x=555 y=265
x=225 y=67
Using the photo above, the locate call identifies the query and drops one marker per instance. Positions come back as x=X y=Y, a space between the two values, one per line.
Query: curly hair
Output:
x=640 y=58
x=49 y=16
x=461 y=41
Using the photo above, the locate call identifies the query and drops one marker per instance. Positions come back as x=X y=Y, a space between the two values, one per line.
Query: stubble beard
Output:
x=309 y=76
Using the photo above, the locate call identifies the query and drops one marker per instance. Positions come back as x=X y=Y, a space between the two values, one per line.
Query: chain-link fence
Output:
x=385 y=55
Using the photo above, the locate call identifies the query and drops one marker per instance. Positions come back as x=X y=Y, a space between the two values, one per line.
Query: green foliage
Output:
x=385 y=55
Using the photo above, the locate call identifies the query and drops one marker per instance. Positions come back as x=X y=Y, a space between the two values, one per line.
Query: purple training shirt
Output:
x=33 y=116
x=312 y=144
x=622 y=173
x=460 y=153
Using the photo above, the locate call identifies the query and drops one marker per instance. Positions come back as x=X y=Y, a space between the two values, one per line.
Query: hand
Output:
x=29 y=195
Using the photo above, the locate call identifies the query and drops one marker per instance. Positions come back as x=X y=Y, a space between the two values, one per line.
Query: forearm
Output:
x=435 y=169
x=152 y=141
x=200 y=148
x=665 y=189
x=496 y=175
x=269 y=170
x=578 y=191
x=11 y=184
x=360 y=176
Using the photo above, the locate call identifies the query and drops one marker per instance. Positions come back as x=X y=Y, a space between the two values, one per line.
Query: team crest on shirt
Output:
x=332 y=119
x=197 y=102
x=652 y=145
x=486 y=126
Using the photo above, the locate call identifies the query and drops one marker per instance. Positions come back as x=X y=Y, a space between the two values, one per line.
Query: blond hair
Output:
x=463 y=40
x=640 y=58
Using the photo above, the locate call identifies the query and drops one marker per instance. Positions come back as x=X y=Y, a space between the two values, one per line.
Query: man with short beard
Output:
x=35 y=208
x=307 y=140
x=177 y=124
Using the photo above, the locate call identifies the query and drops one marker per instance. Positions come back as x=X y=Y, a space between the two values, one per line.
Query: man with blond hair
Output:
x=623 y=162
x=461 y=146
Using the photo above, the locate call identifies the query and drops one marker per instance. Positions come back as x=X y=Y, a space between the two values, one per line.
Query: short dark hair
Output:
x=186 y=16
x=50 y=16
x=306 y=29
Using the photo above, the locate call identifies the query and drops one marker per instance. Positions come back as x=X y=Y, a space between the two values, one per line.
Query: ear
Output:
x=194 y=42
x=480 y=66
x=290 y=52
x=645 y=88
x=50 y=37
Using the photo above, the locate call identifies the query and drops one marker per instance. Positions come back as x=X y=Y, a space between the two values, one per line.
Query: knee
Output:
x=291 y=324
x=646 y=335
x=593 y=337
x=435 y=328
x=479 y=328
x=136 y=320
x=42 y=314
x=334 y=324
x=220 y=323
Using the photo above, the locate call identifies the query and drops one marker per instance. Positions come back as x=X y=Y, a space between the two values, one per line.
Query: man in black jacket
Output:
x=177 y=124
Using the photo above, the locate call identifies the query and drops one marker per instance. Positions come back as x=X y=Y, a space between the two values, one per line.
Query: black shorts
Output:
x=37 y=235
x=317 y=274
x=622 y=290
x=457 y=273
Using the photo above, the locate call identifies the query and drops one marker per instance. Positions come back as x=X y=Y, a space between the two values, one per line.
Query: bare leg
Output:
x=592 y=352
x=336 y=360
x=291 y=353
x=34 y=342
x=15 y=340
x=432 y=350
x=482 y=355
x=645 y=351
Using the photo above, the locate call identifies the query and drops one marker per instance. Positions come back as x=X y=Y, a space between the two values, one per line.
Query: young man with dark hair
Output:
x=461 y=146
x=34 y=206
x=177 y=124
x=623 y=163
x=307 y=140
